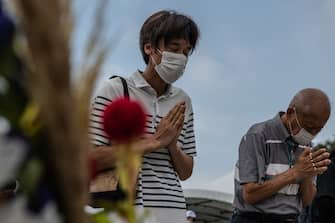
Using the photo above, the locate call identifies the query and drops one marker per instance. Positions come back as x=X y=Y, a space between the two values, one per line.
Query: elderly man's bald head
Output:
x=312 y=105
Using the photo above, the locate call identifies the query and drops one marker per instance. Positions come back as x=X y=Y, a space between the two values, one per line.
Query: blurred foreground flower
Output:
x=55 y=114
x=51 y=110
x=124 y=122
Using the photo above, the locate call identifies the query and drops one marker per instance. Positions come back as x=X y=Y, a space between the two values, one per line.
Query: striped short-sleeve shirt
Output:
x=158 y=184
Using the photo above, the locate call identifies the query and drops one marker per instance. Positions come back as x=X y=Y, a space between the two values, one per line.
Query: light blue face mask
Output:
x=171 y=67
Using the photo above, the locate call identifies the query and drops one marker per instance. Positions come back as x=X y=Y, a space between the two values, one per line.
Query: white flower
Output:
x=16 y=212
x=12 y=150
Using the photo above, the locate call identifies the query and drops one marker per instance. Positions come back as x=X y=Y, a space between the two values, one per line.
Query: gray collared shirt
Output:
x=263 y=154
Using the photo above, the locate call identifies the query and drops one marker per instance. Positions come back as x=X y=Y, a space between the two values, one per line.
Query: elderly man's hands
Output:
x=310 y=164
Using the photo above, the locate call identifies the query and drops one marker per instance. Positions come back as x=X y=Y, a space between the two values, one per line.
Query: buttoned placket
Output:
x=155 y=105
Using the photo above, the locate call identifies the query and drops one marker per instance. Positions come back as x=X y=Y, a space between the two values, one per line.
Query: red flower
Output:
x=124 y=119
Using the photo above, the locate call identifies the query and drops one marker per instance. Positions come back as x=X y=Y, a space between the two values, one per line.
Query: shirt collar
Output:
x=140 y=82
x=279 y=127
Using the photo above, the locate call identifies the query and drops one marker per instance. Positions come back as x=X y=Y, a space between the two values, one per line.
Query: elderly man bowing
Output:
x=276 y=167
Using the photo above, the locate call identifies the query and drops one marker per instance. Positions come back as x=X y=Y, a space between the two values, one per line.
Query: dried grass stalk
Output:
x=47 y=26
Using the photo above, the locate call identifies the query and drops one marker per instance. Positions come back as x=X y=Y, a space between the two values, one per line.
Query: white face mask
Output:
x=172 y=66
x=303 y=137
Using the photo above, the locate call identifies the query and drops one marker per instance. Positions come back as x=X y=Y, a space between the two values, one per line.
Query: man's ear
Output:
x=148 y=49
x=290 y=112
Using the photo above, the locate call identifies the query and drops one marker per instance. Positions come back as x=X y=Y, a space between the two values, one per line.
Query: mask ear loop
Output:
x=153 y=59
x=290 y=126
x=296 y=117
x=159 y=51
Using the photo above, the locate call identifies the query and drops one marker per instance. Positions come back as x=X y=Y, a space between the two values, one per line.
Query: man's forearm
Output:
x=105 y=156
x=255 y=192
x=307 y=191
x=182 y=163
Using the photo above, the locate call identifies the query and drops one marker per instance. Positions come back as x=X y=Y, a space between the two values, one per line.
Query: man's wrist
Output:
x=149 y=144
x=173 y=147
x=307 y=180
x=296 y=178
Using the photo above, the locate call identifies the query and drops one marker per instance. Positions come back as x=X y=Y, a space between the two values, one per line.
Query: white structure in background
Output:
x=212 y=203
